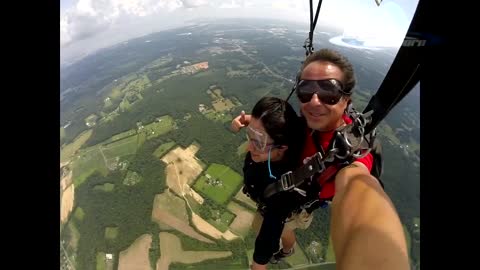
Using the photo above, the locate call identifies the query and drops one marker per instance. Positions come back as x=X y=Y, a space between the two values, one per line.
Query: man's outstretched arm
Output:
x=365 y=227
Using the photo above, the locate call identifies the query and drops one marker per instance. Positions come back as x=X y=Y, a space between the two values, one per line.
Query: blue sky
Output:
x=88 y=25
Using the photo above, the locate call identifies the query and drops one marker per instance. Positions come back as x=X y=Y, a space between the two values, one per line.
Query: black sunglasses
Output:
x=329 y=91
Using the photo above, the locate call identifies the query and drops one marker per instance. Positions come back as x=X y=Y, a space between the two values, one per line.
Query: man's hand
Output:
x=240 y=121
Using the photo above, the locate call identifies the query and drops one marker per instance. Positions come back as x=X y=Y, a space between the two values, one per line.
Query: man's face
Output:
x=320 y=116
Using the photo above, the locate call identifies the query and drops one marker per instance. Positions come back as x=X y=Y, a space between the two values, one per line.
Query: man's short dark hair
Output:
x=334 y=57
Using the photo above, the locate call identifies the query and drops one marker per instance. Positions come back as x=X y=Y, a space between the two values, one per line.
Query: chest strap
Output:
x=291 y=180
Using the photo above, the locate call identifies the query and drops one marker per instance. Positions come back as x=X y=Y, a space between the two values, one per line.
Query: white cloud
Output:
x=88 y=18
x=238 y=4
x=85 y=7
x=87 y=25
x=194 y=3
x=230 y=4
x=290 y=4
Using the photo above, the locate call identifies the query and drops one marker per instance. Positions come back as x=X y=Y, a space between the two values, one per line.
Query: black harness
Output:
x=348 y=143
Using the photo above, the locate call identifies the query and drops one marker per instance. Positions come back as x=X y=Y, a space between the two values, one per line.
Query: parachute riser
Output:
x=308 y=47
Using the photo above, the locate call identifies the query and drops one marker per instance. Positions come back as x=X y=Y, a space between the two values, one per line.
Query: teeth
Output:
x=316 y=114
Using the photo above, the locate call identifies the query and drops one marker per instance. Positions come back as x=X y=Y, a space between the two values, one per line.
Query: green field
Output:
x=142 y=137
x=124 y=105
x=388 y=132
x=111 y=232
x=325 y=266
x=416 y=220
x=132 y=178
x=360 y=99
x=162 y=149
x=107 y=187
x=228 y=182
x=413 y=145
x=154 y=129
x=88 y=162
x=222 y=222
x=123 y=147
x=70 y=149
x=122 y=135
x=79 y=214
x=100 y=261
x=250 y=256
x=210 y=115
x=261 y=92
x=219 y=116
x=75 y=234
x=107 y=103
x=233 y=73
x=116 y=93
x=298 y=258
x=408 y=238
x=120 y=145
x=138 y=84
x=157 y=128
x=62 y=133
x=110 y=117
x=330 y=257
x=242 y=149
x=159 y=62
x=92 y=119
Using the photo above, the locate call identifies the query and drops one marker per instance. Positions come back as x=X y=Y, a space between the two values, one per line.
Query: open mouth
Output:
x=316 y=114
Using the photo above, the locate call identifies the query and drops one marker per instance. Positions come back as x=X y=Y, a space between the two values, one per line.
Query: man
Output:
x=365 y=228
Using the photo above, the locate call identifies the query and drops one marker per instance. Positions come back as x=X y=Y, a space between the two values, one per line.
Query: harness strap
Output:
x=344 y=147
x=291 y=180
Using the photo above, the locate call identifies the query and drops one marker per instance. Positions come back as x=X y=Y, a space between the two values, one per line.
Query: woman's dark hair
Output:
x=281 y=123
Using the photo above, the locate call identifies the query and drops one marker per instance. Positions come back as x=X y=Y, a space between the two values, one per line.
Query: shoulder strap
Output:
x=317 y=143
x=291 y=180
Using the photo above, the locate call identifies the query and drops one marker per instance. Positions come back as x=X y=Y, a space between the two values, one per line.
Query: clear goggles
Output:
x=258 y=139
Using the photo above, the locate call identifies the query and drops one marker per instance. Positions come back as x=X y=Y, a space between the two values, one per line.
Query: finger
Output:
x=242 y=116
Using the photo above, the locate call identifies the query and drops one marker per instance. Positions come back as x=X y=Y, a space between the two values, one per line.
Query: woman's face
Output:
x=259 y=143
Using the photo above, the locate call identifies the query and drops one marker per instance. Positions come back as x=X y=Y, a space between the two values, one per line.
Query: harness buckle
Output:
x=321 y=164
x=286 y=181
x=300 y=191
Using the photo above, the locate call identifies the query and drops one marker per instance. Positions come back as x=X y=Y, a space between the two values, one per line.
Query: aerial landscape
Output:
x=150 y=172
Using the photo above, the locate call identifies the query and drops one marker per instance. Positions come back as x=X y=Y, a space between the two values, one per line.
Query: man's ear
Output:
x=348 y=102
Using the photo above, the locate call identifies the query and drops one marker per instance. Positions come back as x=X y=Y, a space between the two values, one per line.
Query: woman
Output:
x=273 y=149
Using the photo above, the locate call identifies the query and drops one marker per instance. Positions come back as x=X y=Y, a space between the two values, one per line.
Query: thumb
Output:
x=242 y=117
